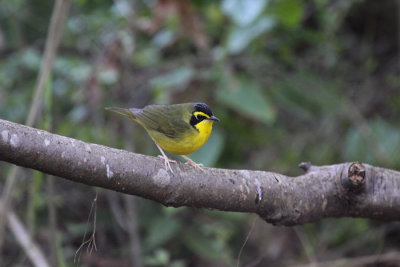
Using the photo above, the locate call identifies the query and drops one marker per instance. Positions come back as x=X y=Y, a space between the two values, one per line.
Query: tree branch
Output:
x=341 y=190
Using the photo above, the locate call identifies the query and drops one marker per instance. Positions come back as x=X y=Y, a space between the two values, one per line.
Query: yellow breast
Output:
x=189 y=143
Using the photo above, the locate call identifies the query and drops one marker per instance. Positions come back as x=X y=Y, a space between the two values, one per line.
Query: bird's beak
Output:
x=213 y=118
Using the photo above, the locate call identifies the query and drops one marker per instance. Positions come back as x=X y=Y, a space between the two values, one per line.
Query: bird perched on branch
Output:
x=180 y=129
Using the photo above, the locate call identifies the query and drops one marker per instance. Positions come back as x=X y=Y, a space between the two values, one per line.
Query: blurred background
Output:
x=290 y=80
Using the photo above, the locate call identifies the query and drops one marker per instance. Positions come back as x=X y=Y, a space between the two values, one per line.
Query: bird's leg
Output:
x=192 y=163
x=166 y=159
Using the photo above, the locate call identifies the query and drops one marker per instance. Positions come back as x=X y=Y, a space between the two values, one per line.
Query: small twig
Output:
x=305 y=166
x=253 y=224
x=91 y=242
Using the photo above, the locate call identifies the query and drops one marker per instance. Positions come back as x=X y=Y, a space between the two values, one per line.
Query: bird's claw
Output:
x=194 y=164
x=167 y=162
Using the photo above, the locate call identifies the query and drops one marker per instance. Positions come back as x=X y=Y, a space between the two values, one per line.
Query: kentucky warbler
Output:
x=180 y=129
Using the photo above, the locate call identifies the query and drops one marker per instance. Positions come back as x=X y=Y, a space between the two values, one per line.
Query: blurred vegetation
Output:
x=291 y=81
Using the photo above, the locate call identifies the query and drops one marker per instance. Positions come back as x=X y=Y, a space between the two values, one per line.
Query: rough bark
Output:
x=341 y=190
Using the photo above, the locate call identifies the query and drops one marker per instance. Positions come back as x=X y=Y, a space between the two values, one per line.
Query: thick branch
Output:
x=348 y=189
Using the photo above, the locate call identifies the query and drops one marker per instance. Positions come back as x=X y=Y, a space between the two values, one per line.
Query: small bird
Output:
x=180 y=129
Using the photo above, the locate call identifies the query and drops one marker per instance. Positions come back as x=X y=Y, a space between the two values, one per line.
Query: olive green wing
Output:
x=170 y=120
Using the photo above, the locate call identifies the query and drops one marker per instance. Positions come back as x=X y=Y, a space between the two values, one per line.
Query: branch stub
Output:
x=356 y=176
x=305 y=166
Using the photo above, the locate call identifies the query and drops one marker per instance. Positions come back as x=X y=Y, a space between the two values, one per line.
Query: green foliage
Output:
x=240 y=37
x=245 y=12
x=177 y=79
x=248 y=24
x=244 y=97
x=289 y=12
x=375 y=146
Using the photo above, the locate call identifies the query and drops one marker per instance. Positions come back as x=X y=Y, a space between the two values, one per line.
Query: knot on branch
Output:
x=305 y=166
x=356 y=177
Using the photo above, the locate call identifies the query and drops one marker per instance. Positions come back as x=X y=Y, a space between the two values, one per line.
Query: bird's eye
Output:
x=196 y=118
x=200 y=117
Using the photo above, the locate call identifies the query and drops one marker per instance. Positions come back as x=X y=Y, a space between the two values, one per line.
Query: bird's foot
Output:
x=192 y=163
x=167 y=162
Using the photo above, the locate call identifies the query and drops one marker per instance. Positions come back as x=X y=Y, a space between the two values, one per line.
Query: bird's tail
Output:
x=123 y=111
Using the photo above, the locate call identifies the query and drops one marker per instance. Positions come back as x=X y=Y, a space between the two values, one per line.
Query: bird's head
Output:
x=202 y=116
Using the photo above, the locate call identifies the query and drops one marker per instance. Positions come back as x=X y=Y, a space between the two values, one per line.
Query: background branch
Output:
x=348 y=189
x=32 y=250
x=57 y=20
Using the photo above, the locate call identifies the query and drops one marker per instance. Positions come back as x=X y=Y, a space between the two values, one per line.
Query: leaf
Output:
x=30 y=59
x=178 y=78
x=307 y=95
x=247 y=99
x=147 y=56
x=160 y=257
x=243 y=12
x=164 y=38
x=385 y=138
x=108 y=76
x=288 y=12
x=241 y=37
